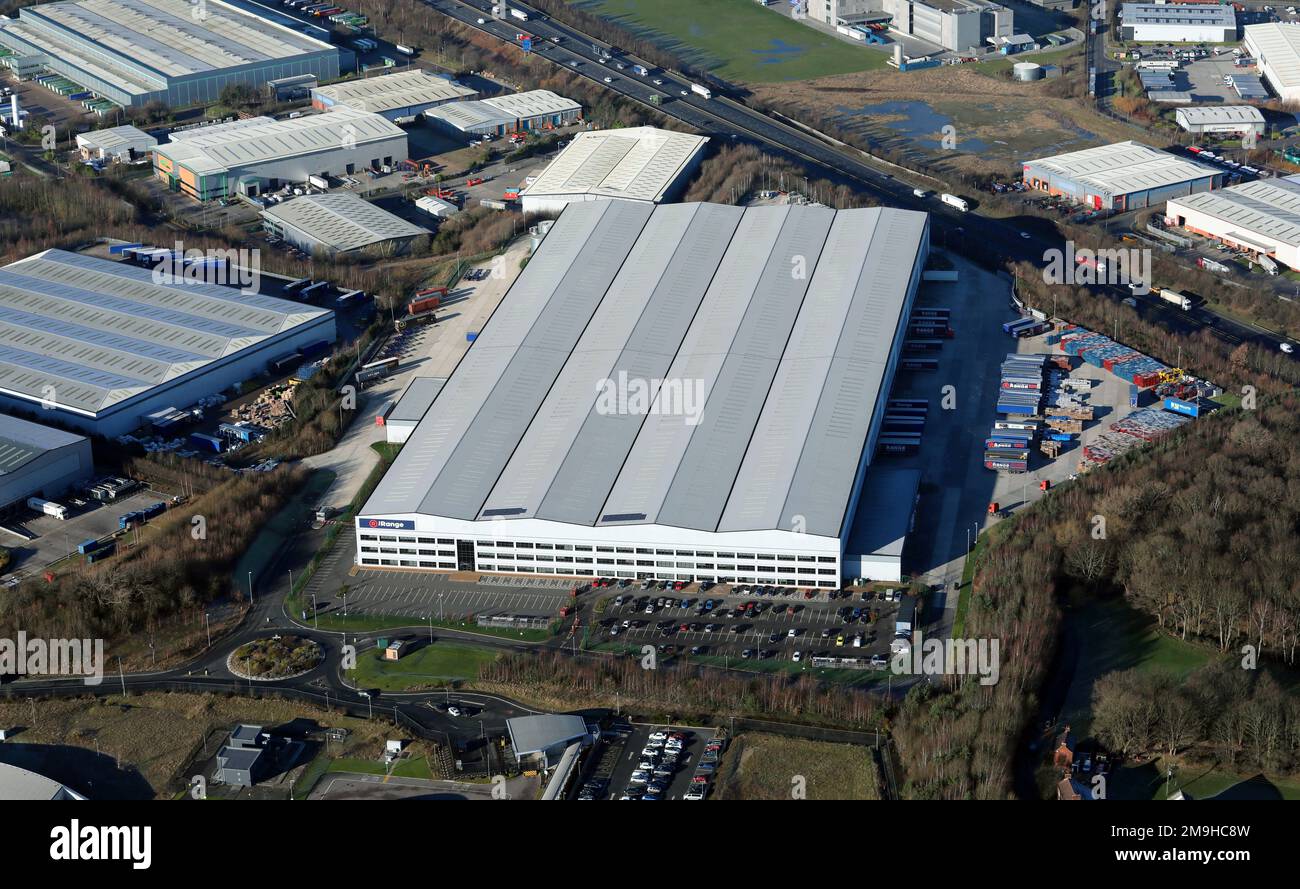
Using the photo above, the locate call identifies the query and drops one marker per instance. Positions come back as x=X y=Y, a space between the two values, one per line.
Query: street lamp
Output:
x=251 y=601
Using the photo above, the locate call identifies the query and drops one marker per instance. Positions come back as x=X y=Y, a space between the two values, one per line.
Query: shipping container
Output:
x=206 y=442
x=919 y=363
x=102 y=553
x=87 y=545
x=420 y=306
x=1186 y=408
x=926 y=345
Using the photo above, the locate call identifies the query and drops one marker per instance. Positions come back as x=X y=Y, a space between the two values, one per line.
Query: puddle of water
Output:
x=919 y=122
x=778 y=51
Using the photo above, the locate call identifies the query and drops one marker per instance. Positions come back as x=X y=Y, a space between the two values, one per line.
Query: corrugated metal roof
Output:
x=783 y=317
x=87 y=332
x=172 y=37
x=116 y=139
x=389 y=91
x=1121 y=168
x=1269 y=207
x=415 y=401
x=22 y=441
x=1277 y=46
x=213 y=149
x=1220 y=114
x=342 y=221
x=502 y=110
x=637 y=162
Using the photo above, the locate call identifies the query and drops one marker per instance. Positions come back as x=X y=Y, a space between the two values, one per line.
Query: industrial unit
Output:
x=133 y=52
x=1121 y=176
x=124 y=144
x=399 y=97
x=952 y=24
x=1275 y=46
x=683 y=391
x=1177 y=23
x=1262 y=217
x=251 y=157
x=40 y=461
x=1234 y=119
x=511 y=113
x=99 y=345
x=410 y=409
x=635 y=164
x=339 y=224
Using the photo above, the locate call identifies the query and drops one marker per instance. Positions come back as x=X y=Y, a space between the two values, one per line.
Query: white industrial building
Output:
x=959 y=25
x=436 y=207
x=511 y=113
x=124 y=144
x=659 y=396
x=1237 y=120
x=634 y=164
x=399 y=97
x=40 y=461
x=1261 y=217
x=341 y=223
x=1275 y=46
x=98 y=345
x=178 y=52
x=1121 y=176
x=1177 y=23
x=254 y=156
x=401 y=420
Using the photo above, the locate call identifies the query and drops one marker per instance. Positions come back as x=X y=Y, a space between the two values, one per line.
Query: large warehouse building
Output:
x=1122 y=176
x=959 y=25
x=634 y=164
x=97 y=345
x=341 y=224
x=1178 y=23
x=683 y=391
x=39 y=461
x=254 y=156
x=1275 y=46
x=511 y=113
x=399 y=97
x=1261 y=217
x=174 y=51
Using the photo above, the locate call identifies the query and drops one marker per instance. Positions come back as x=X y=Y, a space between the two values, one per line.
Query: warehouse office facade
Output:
x=1261 y=217
x=134 y=52
x=98 y=345
x=1178 y=23
x=1122 y=176
x=531 y=461
x=260 y=154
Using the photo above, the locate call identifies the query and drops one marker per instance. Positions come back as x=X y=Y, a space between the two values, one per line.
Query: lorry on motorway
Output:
x=518 y=13
x=48 y=507
x=642 y=70
x=703 y=91
x=953 y=201
x=656 y=99
x=1178 y=299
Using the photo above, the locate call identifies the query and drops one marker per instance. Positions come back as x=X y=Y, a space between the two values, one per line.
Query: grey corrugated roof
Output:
x=342 y=221
x=415 y=401
x=100 y=332
x=535 y=734
x=22 y=441
x=791 y=364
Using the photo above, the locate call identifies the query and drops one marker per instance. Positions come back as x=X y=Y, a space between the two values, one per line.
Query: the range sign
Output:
x=387 y=524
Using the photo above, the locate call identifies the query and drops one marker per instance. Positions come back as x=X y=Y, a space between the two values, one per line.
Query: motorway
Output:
x=722 y=118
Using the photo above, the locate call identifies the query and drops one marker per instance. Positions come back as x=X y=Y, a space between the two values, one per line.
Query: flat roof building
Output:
x=21 y=784
x=138 y=51
x=411 y=408
x=40 y=461
x=1235 y=119
x=657 y=395
x=399 y=97
x=98 y=345
x=251 y=157
x=123 y=144
x=634 y=164
x=1177 y=23
x=1275 y=46
x=340 y=223
x=513 y=112
x=1261 y=217
x=958 y=25
x=1121 y=176
x=543 y=738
